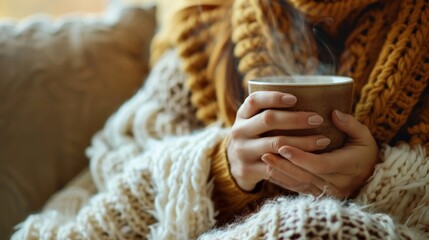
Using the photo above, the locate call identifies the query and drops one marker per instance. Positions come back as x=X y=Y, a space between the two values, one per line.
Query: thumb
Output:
x=348 y=124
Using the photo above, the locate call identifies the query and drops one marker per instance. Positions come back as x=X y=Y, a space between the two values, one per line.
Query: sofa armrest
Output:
x=59 y=81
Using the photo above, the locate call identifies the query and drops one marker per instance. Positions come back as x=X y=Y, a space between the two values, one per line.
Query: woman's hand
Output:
x=339 y=173
x=262 y=112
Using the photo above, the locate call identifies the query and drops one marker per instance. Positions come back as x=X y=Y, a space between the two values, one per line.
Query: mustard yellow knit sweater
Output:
x=382 y=45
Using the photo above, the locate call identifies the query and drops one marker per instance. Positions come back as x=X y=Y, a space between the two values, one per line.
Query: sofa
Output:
x=60 y=79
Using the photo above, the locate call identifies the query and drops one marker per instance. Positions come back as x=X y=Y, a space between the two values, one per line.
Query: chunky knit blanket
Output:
x=149 y=179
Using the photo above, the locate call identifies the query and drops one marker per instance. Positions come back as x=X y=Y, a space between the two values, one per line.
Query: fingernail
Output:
x=323 y=142
x=341 y=116
x=289 y=99
x=285 y=153
x=315 y=120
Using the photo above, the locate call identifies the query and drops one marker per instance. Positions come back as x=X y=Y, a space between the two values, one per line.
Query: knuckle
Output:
x=251 y=99
x=267 y=117
x=240 y=112
x=236 y=133
x=270 y=171
x=276 y=144
x=240 y=150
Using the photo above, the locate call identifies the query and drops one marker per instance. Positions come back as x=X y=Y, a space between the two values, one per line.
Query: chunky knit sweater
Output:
x=152 y=185
x=382 y=45
x=151 y=176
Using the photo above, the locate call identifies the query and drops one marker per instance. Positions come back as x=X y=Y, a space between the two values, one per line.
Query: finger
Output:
x=259 y=146
x=260 y=100
x=327 y=184
x=337 y=185
x=248 y=175
x=253 y=149
x=349 y=125
x=315 y=163
x=280 y=120
x=334 y=163
x=291 y=176
x=335 y=167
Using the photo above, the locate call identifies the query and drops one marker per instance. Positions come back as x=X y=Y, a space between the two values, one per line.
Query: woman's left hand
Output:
x=339 y=173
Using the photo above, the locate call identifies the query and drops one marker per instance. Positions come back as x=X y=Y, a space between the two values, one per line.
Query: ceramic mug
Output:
x=314 y=93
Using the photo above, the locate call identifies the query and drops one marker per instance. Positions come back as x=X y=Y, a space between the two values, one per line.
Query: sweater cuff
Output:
x=227 y=195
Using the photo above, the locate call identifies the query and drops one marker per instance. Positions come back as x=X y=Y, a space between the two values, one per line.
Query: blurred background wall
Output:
x=23 y=8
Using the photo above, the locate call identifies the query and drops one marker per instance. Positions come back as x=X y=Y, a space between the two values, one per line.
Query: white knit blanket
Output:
x=165 y=194
x=154 y=185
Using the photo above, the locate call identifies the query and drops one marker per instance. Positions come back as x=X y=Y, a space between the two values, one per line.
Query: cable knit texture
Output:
x=156 y=168
x=133 y=202
x=165 y=191
x=384 y=49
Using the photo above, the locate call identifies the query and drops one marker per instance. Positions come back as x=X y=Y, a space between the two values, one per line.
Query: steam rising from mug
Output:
x=296 y=45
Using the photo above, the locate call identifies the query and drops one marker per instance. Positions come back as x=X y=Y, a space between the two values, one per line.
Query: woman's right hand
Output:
x=261 y=112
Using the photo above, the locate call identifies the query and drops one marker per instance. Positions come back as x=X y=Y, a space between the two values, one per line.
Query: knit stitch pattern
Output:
x=263 y=33
x=399 y=187
x=165 y=192
x=152 y=198
x=151 y=162
x=395 y=83
x=385 y=52
x=194 y=46
x=162 y=108
x=126 y=206
x=309 y=218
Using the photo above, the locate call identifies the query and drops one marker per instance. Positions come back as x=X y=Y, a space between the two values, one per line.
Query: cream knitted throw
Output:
x=151 y=167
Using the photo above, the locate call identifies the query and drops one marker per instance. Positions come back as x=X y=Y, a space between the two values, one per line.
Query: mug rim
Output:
x=268 y=80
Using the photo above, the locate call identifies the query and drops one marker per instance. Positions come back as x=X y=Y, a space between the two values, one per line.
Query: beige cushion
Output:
x=59 y=81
